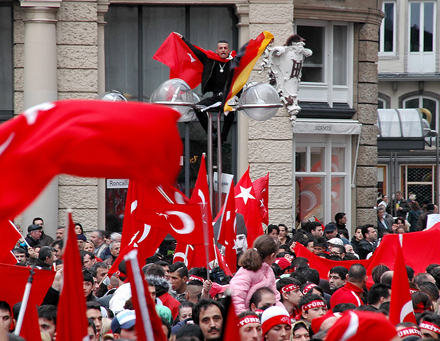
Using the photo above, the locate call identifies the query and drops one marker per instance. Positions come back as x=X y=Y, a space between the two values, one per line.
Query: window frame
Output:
x=422 y=61
x=383 y=53
x=328 y=142
x=325 y=91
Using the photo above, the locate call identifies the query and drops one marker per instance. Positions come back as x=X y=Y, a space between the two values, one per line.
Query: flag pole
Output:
x=139 y=287
x=203 y=209
x=24 y=302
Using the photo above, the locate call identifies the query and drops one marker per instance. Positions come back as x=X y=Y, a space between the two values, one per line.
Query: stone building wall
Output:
x=366 y=179
x=270 y=142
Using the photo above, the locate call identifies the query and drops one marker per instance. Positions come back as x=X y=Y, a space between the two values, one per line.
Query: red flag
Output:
x=71 y=318
x=230 y=325
x=323 y=265
x=401 y=308
x=200 y=196
x=30 y=329
x=9 y=258
x=182 y=61
x=246 y=203
x=222 y=262
x=228 y=232
x=186 y=253
x=148 y=323
x=86 y=138
x=261 y=188
x=242 y=65
x=135 y=232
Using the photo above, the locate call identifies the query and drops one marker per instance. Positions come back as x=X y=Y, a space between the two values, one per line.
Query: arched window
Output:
x=426 y=102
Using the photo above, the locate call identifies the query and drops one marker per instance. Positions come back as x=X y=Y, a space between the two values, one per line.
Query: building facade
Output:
x=325 y=163
x=408 y=78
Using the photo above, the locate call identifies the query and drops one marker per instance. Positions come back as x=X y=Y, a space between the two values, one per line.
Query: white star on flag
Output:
x=245 y=194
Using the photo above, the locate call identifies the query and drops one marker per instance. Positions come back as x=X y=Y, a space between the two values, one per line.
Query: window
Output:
x=388 y=28
x=421 y=37
x=424 y=102
x=6 y=63
x=327 y=74
x=381 y=180
x=133 y=33
x=322 y=176
x=419 y=180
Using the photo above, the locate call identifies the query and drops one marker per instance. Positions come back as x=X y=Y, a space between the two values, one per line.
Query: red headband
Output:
x=196 y=278
x=248 y=319
x=289 y=287
x=430 y=326
x=410 y=331
x=309 y=287
x=313 y=304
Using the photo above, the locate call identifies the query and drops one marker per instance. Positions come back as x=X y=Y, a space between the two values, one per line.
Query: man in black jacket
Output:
x=369 y=243
x=214 y=77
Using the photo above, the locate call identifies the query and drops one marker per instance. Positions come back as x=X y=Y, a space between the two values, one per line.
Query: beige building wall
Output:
x=266 y=146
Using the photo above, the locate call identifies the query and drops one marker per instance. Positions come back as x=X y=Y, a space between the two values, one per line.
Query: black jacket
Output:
x=365 y=247
x=208 y=67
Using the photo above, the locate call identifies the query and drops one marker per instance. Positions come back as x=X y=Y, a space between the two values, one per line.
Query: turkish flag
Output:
x=222 y=262
x=228 y=232
x=148 y=323
x=261 y=188
x=137 y=233
x=10 y=236
x=419 y=250
x=181 y=60
x=243 y=64
x=71 y=317
x=88 y=138
x=401 y=308
x=200 y=196
x=246 y=203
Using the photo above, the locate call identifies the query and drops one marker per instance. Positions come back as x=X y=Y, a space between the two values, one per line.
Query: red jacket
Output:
x=349 y=293
x=170 y=302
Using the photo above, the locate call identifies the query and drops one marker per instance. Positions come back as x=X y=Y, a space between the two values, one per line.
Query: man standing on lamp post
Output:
x=214 y=77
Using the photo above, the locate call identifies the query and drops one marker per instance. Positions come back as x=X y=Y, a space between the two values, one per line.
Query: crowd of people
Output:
x=276 y=295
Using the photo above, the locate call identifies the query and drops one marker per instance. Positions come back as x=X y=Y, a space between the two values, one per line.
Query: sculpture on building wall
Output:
x=285 y=64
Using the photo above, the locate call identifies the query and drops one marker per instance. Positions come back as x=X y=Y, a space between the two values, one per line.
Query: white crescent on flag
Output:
x=188 y=222
x=406 y=309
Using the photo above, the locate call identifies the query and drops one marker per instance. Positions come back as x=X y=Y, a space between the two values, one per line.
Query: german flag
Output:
x=242 y=66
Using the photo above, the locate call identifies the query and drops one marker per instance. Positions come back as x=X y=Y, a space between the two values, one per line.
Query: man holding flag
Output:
x=214 y=77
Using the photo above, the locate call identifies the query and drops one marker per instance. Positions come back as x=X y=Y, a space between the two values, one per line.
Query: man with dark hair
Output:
x=337 y=278
x=430 y=326
x=99 y=270
x=214 y=77
x=193 y=290
x=91 y=330
x=44 y=240
x=60 y=233
x=88 y=259
x=20 y=254
x=178 y=278
x=98 y=239
x=312 y=306
x=273 y=231
x=5 y=316
x=378 y=294
x=46 y=257
x=88 y=286
x=94 y=313
x=319 y=245
x=47 y=318
x=352 y=290
x=315 y=228
x=249 y=326
x=341 y=221
x=369 y=243
x=290 y=294
x=166 y=268
x=262 y=299
x=58 y=246
x=208 y=314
